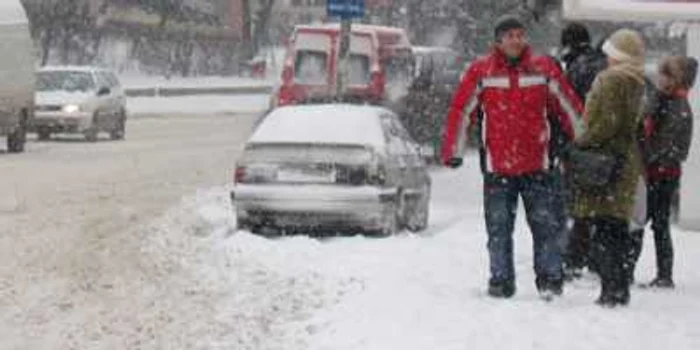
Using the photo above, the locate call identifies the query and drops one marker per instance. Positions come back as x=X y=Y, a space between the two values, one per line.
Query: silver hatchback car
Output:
x=331 y=168
x=83 y=100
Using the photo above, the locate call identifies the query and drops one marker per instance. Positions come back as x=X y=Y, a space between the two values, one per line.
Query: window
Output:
x=359 y=69
x=113 y=79
x=102 y=80
x=311 y=67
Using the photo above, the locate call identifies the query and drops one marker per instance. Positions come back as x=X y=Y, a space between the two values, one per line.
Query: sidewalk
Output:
x=152 y=86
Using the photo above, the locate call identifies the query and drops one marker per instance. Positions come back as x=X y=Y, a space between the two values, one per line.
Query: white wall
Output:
x=690 y=193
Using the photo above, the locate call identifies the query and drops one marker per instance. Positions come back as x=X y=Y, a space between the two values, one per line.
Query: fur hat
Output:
x=625 y=45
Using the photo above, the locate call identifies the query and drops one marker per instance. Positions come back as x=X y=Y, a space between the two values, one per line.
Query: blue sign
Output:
x=346 y=8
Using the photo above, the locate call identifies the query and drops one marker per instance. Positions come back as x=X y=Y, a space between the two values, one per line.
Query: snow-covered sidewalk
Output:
x=144 y=81
x=406 y=292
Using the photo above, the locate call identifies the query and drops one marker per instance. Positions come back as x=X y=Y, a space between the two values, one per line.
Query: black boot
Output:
x=606 y=298
x=661 y=283
x=549 y=288
x=501 y=289
x=635 y=250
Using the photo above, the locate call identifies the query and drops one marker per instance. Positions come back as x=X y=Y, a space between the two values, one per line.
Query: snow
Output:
x=690 y=201
x=631 y=10
x=323 y=124
x=405 y=292
x=12 y=12
x=203 y=104
x=135 y=81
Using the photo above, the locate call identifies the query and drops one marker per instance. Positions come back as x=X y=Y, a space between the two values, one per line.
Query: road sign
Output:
x=346 y=8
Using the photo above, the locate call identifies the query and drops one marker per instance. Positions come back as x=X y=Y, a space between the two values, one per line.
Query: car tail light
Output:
x=239 y=175
x=377 y=84
x=262 y=173
x=360 y=175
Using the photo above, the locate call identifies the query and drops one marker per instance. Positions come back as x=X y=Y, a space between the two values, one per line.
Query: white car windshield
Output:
x=65 y=81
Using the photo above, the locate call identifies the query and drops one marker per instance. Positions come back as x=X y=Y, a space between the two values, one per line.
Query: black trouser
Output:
x=611 y=245
x=579 y=245
x=660 y=199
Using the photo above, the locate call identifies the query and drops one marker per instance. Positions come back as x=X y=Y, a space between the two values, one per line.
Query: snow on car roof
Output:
x=323 y=124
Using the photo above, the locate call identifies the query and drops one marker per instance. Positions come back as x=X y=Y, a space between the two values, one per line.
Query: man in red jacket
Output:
x=514 y=99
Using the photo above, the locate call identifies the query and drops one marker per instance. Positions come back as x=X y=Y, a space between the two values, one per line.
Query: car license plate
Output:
x=306 y=175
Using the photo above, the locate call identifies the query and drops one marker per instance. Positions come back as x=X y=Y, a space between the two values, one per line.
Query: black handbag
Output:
x=593 y=171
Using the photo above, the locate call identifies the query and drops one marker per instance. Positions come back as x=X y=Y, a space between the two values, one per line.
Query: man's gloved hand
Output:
x=454 y=163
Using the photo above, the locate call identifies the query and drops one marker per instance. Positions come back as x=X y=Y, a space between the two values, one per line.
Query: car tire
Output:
x=391 y=224
x=17 y=140
x=419 y=216
x=92 y=133
x=44 y=134
x=119 y=131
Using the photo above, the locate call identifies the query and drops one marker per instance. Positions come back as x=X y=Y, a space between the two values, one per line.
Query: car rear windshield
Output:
x=311 y=67
x=307 y=154
x=65 y=81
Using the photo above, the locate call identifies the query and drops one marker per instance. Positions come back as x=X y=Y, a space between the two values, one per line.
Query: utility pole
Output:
x=346 y=10
x=343 y=57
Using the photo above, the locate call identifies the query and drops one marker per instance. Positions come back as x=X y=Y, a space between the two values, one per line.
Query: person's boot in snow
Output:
x=549 y=288
x=635 y=251
x=501 y=289
x=661 y=283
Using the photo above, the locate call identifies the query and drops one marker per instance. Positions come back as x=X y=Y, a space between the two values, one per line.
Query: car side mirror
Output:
x=104 y=91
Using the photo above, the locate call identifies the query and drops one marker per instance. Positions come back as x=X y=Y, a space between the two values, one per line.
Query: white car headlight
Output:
x=71 y=109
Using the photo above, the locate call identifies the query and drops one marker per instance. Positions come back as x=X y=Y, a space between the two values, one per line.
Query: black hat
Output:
x=506 y=23
x=574 y=35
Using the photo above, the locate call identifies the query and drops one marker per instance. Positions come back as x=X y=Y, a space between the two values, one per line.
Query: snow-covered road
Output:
x=130 y=246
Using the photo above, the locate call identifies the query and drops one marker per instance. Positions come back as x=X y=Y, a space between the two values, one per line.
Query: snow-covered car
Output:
x=337 y=168
x=85 y=100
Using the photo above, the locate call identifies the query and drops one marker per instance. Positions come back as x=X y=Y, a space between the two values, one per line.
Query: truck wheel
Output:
x=17 y=139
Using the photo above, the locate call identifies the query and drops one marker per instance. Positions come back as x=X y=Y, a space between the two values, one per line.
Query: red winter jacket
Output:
x=516 y=102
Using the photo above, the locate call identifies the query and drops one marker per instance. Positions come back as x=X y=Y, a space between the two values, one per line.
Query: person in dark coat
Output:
x=582 y=64
x=666 y=146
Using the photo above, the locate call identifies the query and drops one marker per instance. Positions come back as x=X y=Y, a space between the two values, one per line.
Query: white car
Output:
x=337 y=168
x=84 y=100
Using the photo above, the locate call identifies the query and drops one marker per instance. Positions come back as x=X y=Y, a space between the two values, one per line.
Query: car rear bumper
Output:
x=62 y=122
x=314 y=206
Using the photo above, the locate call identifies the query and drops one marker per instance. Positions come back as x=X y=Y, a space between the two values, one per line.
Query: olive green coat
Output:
x=614 y=108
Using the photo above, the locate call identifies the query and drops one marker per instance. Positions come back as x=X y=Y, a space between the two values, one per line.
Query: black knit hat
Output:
x=506 y=23
x=574 y=35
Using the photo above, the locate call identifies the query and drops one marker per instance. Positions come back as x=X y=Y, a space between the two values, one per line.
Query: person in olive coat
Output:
x=613 y=110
